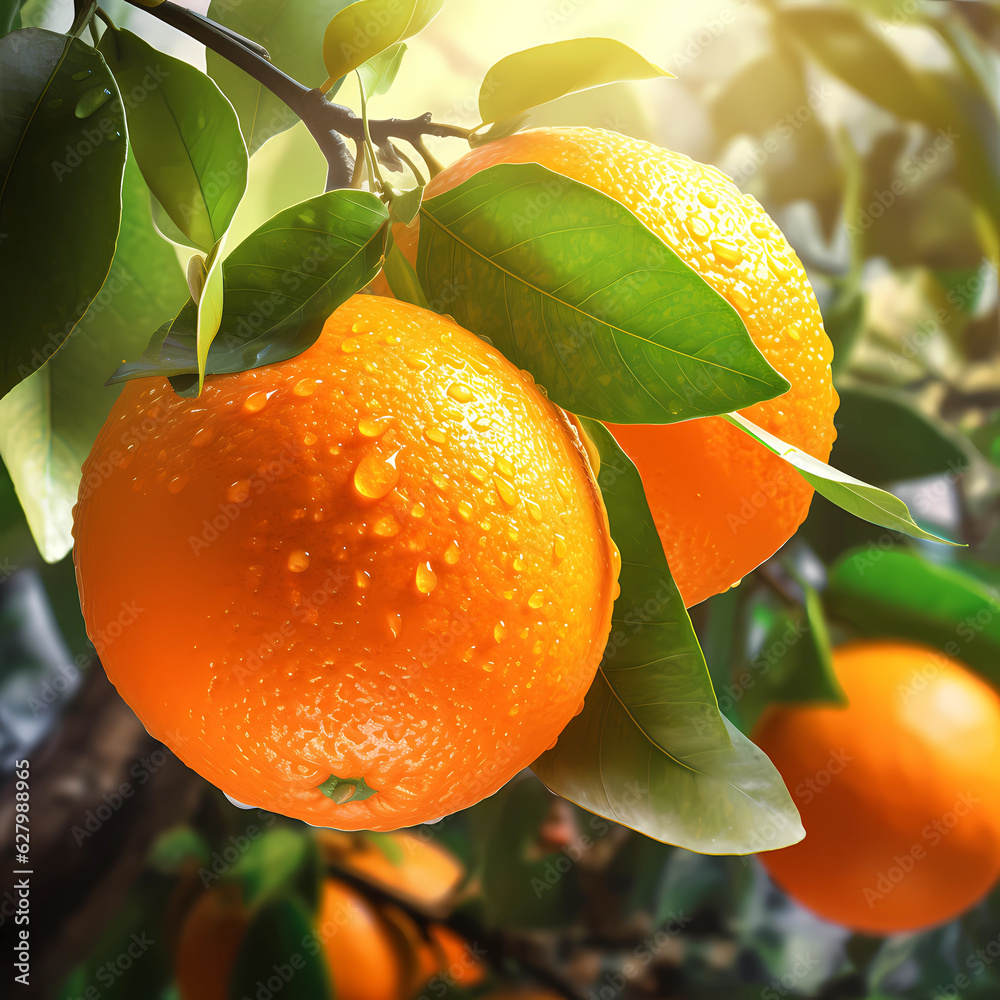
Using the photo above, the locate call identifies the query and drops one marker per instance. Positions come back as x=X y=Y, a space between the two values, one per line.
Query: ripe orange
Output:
x=411 y=865
x=209 y=941
x=722 y=503
x=385 y=559
x=899 y=792
x=358 y=945
x=364 y=962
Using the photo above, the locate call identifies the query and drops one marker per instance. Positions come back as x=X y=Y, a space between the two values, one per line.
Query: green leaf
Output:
x=886 y=591
x=280 y=862
x=401 y=277
x=177 y=846
x=882 y=436
x=793 y=665
x=289 y=31
x=544 y=73
x=210 y=307
x=405 y=205
x=49 y=422
x=858 y=498
x=61 y=164
x=281 y=936
x=379 y=72
x=650 y=749
x=363 y=29
x=282 y=283
x=184 y=134
x=608 y=317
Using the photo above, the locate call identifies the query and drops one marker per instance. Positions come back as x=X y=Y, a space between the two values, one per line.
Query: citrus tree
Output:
x=389 y=480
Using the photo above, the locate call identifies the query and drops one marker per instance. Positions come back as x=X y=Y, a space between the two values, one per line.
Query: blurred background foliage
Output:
x=869 y=130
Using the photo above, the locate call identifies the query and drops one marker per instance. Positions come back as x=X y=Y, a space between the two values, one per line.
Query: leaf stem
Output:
x=328 y=123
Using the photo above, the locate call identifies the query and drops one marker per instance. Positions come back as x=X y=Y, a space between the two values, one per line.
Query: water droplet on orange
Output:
x=418 y=510
x=468 y=654
x=255 y=402
x=498 y=631
x=518 y=563
x=533 y=509
x=376 y=475
x=239 y=491
x=513 y=710
x=361 y=578
x=698 y=227
x=760 y=229
x=482 y=423
x=506 y=491
x=439 y=481
x=726 y=252
x=536 y=600
x=436 y=435
x=386 y=527
x=360 y=327
x=305 y=387
x=740 y=299
x=708 y=198
x=464 y=510
x=309 y=439
x=426 y=578
x=460 y=392
x=524 y=633
x=489 y=667
x=416 y=362
x=559 y=549
x=395 y=623
x=177 y=484
x=298 y=561
x=451 y=554
x=373 y=427
x=450 y=413
x=478 y=472
x=202 y=436
x=350 y=346
x=504 y=467
x=792 y=332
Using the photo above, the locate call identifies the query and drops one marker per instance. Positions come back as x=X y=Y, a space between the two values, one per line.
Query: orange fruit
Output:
x=722 y=502
x=363 y=960
x=456 y=961
x=410 y=864
x=386 y=559
x=209 y=941
x=899 y=792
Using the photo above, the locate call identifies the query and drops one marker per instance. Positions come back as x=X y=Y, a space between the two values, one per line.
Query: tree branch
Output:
x=328 y=123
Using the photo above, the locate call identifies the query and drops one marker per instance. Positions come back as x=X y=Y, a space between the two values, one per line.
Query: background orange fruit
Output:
x=385 y=559
x=722 y=503
x=356 y=940
x=899 y=792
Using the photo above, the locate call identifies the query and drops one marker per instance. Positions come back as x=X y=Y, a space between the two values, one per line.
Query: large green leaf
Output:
x=184 y=134
x=858 y=498
x=378 y=73
x=48 y=422
x=544 y=73
x=364 y=29
x=887 y=591
x=281 y=284
x=289 y=30
x=62 y=156
x=282 y=861
x=570 y=285
x=281 y=945
x=882 y=436
x=650 y=749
